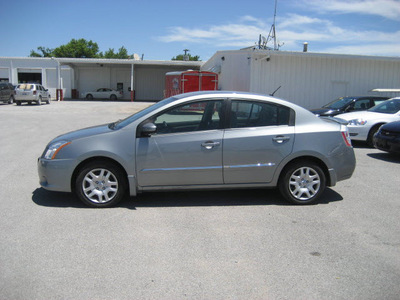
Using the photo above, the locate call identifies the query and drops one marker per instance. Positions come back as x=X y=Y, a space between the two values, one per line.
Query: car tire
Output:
x=113 y=97
x=371 y=135
x=302 y=182
x=39 y=101
x=29 y=102
x=18 y=102
x=11 y=100
x=48 y=99
x=89 y=97
x=100 y=184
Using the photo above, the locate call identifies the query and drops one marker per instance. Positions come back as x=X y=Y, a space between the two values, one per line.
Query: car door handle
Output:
x=210 y=144
x=280 y=139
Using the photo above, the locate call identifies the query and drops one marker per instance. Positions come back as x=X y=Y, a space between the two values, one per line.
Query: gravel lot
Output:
x=247 y=244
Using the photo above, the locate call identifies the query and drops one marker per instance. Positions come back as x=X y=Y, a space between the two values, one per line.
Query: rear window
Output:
x=26 y=87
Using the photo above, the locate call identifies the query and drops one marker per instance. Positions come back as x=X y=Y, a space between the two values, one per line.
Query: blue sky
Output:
x=161 y=30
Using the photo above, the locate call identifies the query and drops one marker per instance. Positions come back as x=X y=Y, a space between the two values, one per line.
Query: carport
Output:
x=137 y=79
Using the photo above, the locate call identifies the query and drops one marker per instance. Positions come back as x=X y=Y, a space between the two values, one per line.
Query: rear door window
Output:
x=258 y=114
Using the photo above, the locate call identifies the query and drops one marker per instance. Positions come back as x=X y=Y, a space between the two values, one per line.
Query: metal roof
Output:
x=103 y=61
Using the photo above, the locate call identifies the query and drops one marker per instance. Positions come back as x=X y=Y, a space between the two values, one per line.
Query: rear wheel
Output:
x=113 y=97
x=11 y=100
x=100 y=184
x=302 y=182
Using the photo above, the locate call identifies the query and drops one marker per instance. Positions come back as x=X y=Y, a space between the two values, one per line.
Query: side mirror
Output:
x=148 y=129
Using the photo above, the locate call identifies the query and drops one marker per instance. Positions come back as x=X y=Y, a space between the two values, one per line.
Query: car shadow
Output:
x=385 y=156
x=250 y=197
x=361 y=145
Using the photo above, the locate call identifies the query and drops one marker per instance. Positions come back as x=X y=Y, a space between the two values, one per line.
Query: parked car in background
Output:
x=31 y=92
x=348 y=104
x=103 y=93
x=202 y=140
x=388 y=137
x=7 y=92
x=364 y=124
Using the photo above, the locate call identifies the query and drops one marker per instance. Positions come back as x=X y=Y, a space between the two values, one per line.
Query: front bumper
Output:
x=55 y=175
x=358 y=133
x=387 y=143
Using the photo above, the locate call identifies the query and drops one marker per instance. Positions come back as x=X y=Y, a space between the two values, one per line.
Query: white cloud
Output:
x=367 y=49
x=292 y=30
x=389 y=9
x=240 y=34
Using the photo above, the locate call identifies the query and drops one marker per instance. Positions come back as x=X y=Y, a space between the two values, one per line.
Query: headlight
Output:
x=55 y=148
x=357 y=122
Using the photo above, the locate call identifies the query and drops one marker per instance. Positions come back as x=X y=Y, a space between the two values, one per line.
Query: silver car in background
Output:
x=202 y=140
x=31 y=92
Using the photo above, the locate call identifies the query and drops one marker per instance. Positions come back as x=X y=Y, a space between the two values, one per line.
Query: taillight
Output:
x=346 y=137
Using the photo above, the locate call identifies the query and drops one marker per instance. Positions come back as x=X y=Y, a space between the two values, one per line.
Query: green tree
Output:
x=77 y=49
x=45 y=52
x=80 y=48
x=191 y=58
x=121 y=54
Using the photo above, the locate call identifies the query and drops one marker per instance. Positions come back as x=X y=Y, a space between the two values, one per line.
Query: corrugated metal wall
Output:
x=150 y=81
x=307 y=79
x=312 y=81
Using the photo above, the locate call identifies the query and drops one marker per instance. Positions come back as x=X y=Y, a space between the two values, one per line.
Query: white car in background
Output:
x=363 y=125
x=103 y=93
x=31 y=92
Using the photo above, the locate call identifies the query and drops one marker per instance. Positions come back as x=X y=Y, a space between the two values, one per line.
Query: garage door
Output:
x=150 y=83
x=4 y=74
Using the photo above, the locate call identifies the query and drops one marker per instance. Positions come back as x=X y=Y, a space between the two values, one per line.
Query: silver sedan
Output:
x=204 y=140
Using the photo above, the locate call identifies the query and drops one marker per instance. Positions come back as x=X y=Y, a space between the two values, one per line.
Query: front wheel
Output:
x=302 y=182
x=39 y=101
x=89 y=97
x=100 y=184
x=371 y=135
x=11 y=100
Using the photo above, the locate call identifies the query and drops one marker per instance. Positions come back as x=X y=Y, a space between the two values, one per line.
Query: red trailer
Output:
x=189 y=81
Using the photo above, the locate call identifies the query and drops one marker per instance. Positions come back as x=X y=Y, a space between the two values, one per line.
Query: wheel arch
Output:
x=309 y=158
x=96 y=159
x=377 y=125
x=372 y=131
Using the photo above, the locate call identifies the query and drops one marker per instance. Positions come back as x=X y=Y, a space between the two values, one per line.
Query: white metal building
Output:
x=304 y=78
x=76 y=76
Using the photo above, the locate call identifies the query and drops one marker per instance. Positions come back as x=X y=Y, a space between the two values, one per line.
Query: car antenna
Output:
x=272 y=94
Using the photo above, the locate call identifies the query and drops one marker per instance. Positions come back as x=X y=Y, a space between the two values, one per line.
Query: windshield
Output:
x=122 y=123
x=388 y=107
x=339 y=103
x=25 y=87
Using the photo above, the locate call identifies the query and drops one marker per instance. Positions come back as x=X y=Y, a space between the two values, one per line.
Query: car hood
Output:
x=393 y=126
x=362 y=115
x=83 y=133
x=325 y=111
